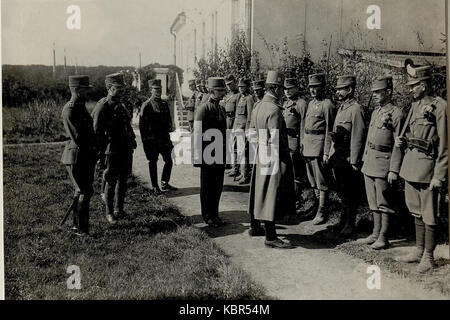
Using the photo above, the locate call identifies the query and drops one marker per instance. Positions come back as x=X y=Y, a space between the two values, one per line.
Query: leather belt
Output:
x=315 y=132
x=379 y=147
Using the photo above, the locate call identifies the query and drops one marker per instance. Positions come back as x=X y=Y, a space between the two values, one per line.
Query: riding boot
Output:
x=153 y=170
x=83 y=210
x=119 y=199
x=416 y=255
x=376 y=230
x=76 y=212
x=427 y=261
x=109 y=199
x=350 y=219
x=321 y=210
x=382 y=241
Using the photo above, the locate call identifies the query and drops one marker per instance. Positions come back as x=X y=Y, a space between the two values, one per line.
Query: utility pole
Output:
x=65 y=63
x=54 y=62
x=140 y=61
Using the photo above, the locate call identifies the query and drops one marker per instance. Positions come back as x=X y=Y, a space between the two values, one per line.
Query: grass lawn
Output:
x=155 y=254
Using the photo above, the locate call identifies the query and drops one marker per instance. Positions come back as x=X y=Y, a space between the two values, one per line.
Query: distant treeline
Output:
x=24 y=84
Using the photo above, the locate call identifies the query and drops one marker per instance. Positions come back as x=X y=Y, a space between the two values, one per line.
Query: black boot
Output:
x=382 y=241
x=427 y=261
x=109 y=199
x=350 y=219
x=321 y=215
x=375 y=232
x=417 y=253
x=153 y=171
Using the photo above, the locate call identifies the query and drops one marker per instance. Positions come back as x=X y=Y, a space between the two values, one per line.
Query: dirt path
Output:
x=310 y=271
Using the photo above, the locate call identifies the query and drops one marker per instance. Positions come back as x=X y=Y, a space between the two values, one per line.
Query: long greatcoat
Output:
x=271 y=195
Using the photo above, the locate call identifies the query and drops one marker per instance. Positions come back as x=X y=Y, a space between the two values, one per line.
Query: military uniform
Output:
x=155 y=125
x=205 y=95
x=346 y=151
x=241 y=124
x=211 y=116
x=272 y=185
x=425 y=165
x=380 y=158
x=316 y=142
x=112 y=126
x=79 y=155
x=294 y=112
x=230 y=102
x=190 y=107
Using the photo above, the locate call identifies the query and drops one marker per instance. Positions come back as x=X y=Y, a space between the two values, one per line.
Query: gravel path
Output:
x=310 y=271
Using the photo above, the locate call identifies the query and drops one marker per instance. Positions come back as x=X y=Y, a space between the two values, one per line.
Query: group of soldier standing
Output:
x=330 y=146
x=317 y=141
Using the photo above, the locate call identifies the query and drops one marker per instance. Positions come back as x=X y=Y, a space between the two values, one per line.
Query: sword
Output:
x=75 y=200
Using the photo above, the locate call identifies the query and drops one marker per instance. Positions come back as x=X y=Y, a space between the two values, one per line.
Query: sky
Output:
x=112 y=32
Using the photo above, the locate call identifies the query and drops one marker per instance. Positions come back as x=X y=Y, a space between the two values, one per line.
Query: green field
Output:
x=154 y=254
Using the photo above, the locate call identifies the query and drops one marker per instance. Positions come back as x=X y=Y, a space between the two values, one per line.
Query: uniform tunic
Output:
x=380 y=157
x=212 y=116
x=316 y=141
x=112 y=126
x=427 y=124
x=155 y=125
x=346 y=150
x=79 y=156
x=272 y=184
x=230 y=102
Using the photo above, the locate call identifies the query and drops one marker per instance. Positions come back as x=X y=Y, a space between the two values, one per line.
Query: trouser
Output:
x=318 y=175
x=299 y=171
x=152 y=152
x=422 y=202
x=82 y=177
x=379 y=194
x=230 y=122
x=211 y=185
x=118 y=168
x=242 y=164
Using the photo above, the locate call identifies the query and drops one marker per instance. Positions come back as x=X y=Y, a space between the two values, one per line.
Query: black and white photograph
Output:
x=224 y=150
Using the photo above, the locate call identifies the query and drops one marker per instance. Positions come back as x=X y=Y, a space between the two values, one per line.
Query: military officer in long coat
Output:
x=155 y=125
x=424 y=140
x=347 y=148
x=241 y=124
x=272 y=183
x=294 y=112
x=79 y=155
x=112 y=126
x=316 y=142
x=210 y=156
x=382 y=161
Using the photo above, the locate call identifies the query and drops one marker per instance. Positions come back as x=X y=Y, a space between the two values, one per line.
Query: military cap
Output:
x=216 y=83
x=316 y=79
x=115 y=79
x=229 y=79
x=381 y=83
x=79 y=81
x=415 y=75
x=258 y=84
x=345 y=81
x=155 y=84
x=290 y=83
x=243 y=82
x=274 y=77
x=191 y=82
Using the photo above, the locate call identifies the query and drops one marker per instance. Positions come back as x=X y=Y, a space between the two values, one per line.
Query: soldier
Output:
x=272 y=186
x=112 y=126
x=316 y=141
x=258 y=89
x=190 y=107
x=294 y=115
x=240 y=127
x=231 y=100
x=347 y=148
x=200 y=94
x=381 y=161
x=155 y=125
x=211 y=116
x=79 y=155
x=425 y=162
x=205 y=97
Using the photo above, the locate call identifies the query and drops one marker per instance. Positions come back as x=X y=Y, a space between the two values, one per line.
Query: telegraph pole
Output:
x=54 y=62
